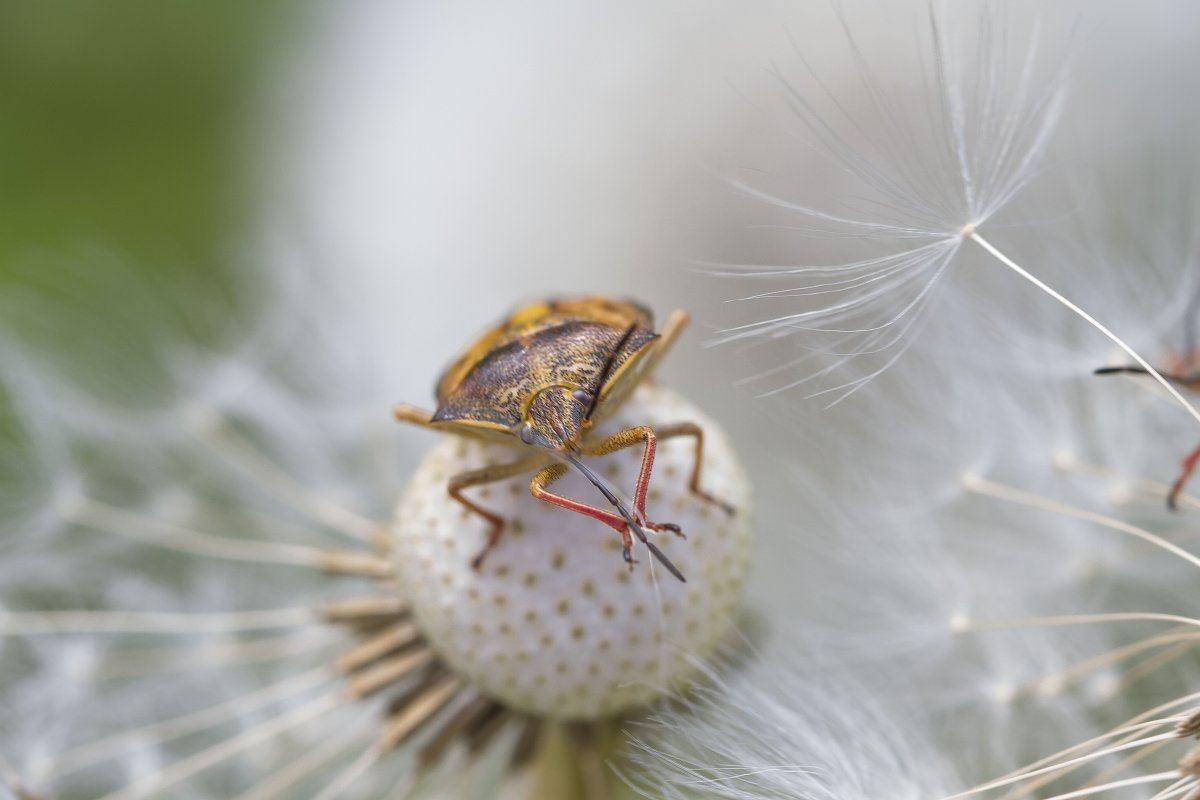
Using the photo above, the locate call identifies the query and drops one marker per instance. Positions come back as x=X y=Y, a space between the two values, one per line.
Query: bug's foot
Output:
x=716 y=501
x=627 y=554
x=667 y=526
x=492 y=540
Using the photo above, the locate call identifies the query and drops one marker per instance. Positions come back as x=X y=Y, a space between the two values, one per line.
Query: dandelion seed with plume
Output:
x=941 y=178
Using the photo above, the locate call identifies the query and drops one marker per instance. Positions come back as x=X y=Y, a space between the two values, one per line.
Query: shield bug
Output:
x=539 y=381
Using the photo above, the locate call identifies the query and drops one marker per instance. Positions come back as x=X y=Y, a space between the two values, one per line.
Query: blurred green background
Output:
x=129 y=131
x=124 y=125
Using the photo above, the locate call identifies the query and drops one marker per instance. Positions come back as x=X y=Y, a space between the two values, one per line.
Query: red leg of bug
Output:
x=694 y=430
x=628 y=438
x=477 y=477
x=1189 y=466
x=537 y=487
x=631 y=436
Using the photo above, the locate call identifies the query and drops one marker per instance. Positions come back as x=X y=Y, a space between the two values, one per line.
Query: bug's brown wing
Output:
x=535 y=317
x=498 y=387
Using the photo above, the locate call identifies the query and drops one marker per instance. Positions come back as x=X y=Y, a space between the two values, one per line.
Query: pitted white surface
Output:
x=555 y=623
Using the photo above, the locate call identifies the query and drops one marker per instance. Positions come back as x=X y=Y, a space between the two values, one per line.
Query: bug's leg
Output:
x=478 y=477
x=694 y=430
x=1189 y=466
x=628 y=438
x=412 y=415
x=547 y=476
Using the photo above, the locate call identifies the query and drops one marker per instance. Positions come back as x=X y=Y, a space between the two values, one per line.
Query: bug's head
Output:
x=555 y=418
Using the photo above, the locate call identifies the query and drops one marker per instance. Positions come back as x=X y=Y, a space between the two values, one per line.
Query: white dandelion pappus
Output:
x=986 y=457
x=935 y=164
x=764 y=732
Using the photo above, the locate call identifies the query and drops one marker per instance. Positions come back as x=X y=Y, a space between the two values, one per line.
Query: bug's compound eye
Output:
x=526 y=433
x=583 y=396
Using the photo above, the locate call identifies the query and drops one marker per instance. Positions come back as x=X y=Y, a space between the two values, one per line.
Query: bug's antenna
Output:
x=637 y=529
x=1135 y=370
x=608 y=367
x=1191 y=316
x=1119 y=370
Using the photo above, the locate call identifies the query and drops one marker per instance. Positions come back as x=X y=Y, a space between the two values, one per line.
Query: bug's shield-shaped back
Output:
x=594 y=344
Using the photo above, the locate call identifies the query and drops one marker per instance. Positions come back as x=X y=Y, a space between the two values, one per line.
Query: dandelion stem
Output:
x=1129 y=731
x=992 y=489
x=304 y=765
x=376 y=647
x=32 y=623
x=167 y=730
x=417 y=712
x=190 y=656
x=120 y=522
x=1158 y=661
x=1079 y=669
x=350 y=774
x=210 y=427
x=1026 y=788
x=1158 y=776
x=1072 y=463
x=1124 y=764
x=970 y=233
x=964 y=626
x=1162 y=737
x=228 y=748
x=1177 y=788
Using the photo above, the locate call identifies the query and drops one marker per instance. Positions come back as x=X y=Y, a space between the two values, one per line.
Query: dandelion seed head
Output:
x=554 y=623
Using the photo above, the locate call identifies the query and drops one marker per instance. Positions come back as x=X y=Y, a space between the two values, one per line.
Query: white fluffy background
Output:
x=439 y=163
